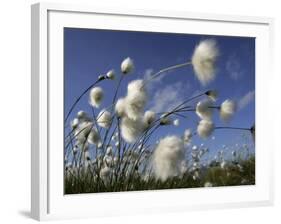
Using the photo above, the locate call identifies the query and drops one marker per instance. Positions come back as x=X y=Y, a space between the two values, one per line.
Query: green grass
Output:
x=231 y=175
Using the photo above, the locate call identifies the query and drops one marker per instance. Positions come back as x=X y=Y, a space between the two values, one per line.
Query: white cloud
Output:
x=246 y=99
x=168 y=97
x=233 y=67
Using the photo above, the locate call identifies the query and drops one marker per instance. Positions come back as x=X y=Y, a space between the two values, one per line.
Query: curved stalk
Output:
x=155 y=75
x=79 y=98
x=234 y=128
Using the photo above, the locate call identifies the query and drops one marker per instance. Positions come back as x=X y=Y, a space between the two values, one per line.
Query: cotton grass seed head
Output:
x=109 y=150
x=127 y=65
x=203 y=60
x=136 y=99
x=110 y=75
x=176 y=122
x=96 y=96
x=81 y=114
x=94 y=137
x=74 y=124
x=83 y=117
x=104 y=118
x=120 y=107
x=204 y=109
x=108 y=160
x=113 y=138
x=208 y=184
x=83 y=130
x=131 y=129
x=205 y=128
x=149 y=117
x=187 y=136
x=105 y=173
x=227 y=109
x=168 y=157
x=223 y=164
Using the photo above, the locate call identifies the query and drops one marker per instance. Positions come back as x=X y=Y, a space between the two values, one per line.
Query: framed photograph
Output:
x=139 y=111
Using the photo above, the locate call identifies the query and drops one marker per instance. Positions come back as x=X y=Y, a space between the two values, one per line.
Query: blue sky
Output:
x=89 y=53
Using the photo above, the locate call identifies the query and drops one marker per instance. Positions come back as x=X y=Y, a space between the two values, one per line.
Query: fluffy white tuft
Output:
x=131 y=129
x=94 y=137
x=74 y=123
x=110 y=74
x=109 y=150
x=104 y=119
x=136 y=99
x=204 y=110
x=82 y=132
x=187 y=136
x=203 y=60
x=227 y=109
x=96 y=96
x=176 y=122
x=205 y=128
x=208 y=184
x=120 y=107
x=168 y=157
x=83 y=116
x=105 y=173
x=127 y=65
x=149 y=117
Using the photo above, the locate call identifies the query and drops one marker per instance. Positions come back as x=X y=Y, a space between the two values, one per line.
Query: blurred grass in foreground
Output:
x=233 y=174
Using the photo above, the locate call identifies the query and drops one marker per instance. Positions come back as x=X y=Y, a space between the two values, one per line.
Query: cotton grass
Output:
x=83 y=130
x=227 y=109
x=83 y=116
x=204 y=109
x=149 y=117
x=131 y=129
x=136 y=99
x=176 y=122
x=104 y=119
x=187 y=136
x=110 y=75
x=127 y=66
x=96 y=96
x=119 y=149
x=203 y=60
x=74 y=123
x=94 y=137
x=120 y=107
x=168 y=157
x=205 y=128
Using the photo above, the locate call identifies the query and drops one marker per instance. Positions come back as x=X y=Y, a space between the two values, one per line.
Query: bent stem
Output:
x=155 y=75
x=79 y=98
x=234 y=128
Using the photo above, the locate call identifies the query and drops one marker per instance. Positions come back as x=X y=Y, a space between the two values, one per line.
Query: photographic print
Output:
x=152 y=111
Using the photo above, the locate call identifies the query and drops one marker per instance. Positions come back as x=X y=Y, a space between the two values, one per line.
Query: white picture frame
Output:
x=48 y=201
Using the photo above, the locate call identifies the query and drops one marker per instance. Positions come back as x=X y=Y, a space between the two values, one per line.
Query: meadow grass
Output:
x=234 y=174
